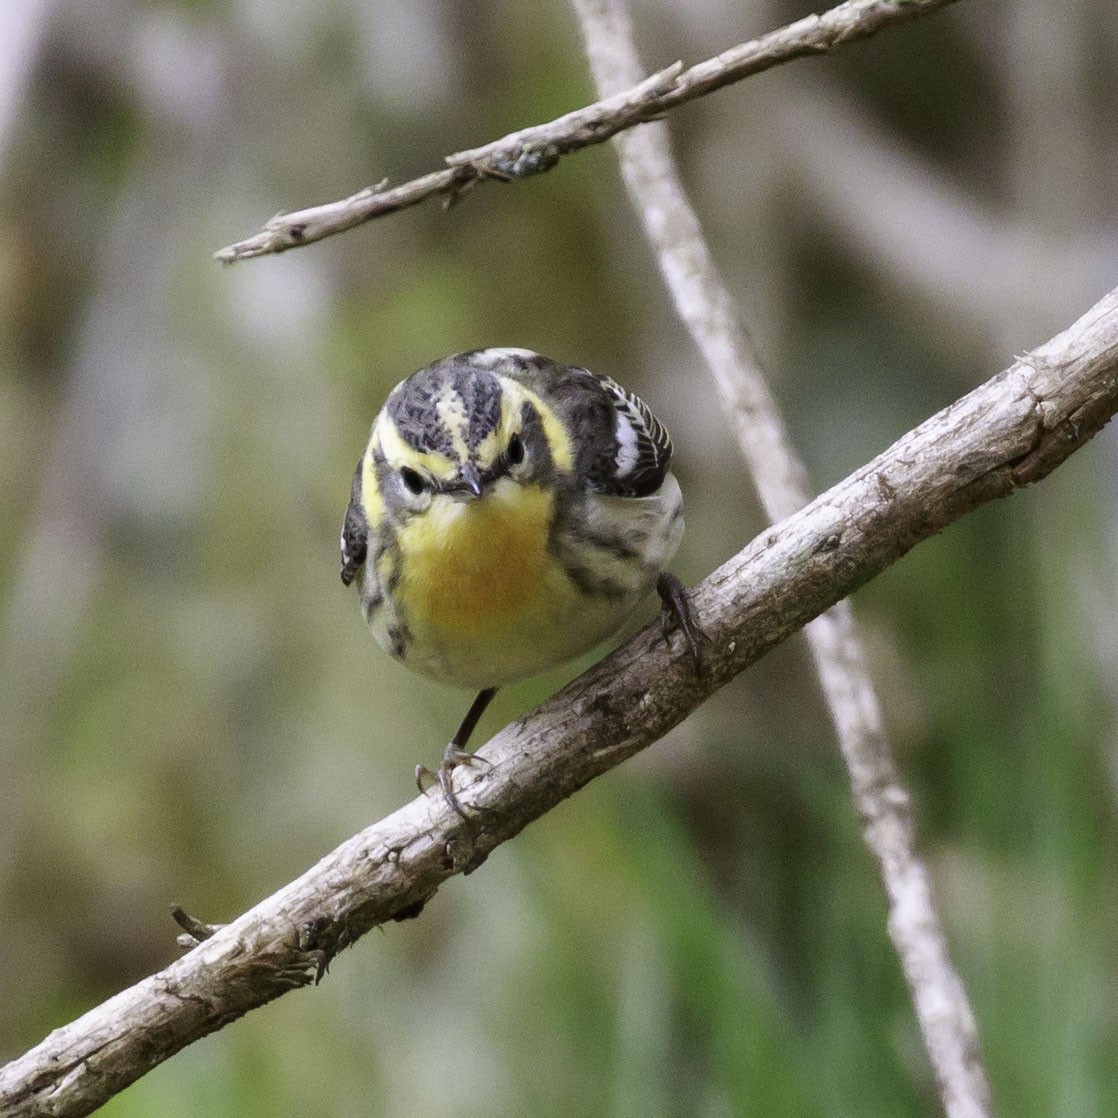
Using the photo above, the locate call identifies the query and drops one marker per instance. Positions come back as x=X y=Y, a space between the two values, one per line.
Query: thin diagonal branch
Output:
x=1009 y=432
x=538 y=148
x=707 y=308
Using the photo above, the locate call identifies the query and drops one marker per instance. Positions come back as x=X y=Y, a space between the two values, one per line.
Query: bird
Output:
x=510 y=513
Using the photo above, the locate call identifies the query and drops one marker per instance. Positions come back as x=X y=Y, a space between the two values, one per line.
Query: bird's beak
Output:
x=470 y=479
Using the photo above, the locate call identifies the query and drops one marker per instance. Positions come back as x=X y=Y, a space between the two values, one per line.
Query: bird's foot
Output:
x=675 y=612
x=452 y=758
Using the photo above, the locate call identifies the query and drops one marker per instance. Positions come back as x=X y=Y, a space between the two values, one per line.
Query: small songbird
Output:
x=510 y=513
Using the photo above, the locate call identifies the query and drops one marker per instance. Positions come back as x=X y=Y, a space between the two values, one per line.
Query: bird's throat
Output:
x=472 y=564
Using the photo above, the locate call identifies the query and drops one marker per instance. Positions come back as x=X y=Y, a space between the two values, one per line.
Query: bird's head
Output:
x=455 y=431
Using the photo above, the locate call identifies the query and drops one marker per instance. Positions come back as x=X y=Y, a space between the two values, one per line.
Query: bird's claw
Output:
x=452 y=758
x=676 y=613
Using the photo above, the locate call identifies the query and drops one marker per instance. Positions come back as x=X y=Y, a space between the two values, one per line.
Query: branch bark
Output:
x=706 y=307
x=1008 y=433
x=538 y=148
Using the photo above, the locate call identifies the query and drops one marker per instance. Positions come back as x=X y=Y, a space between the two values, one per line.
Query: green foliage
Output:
x=192 y=712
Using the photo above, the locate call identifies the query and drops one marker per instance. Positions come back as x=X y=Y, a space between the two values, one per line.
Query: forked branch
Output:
x=538 y=148
x=707 y=308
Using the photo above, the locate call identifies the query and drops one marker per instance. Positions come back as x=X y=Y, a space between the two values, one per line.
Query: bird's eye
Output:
x=413 y=480
x=515 y=451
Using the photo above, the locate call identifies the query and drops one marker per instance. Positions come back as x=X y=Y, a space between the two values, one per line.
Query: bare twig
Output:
x=706 y=307
x=1009 y=432
x=538 y=148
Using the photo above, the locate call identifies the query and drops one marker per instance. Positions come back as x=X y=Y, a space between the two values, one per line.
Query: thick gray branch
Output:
x=1011 y=431
x=538 y=148
x=705 y=305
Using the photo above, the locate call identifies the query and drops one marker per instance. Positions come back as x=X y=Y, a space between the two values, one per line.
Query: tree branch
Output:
x=706 y=307
x=1009 y=432
x=538 y=148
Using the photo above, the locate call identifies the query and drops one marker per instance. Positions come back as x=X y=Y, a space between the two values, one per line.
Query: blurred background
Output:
x=192 y=712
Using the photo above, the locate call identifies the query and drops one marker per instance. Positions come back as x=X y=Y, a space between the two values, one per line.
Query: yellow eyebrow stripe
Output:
x=558 y=441
x=399 y=453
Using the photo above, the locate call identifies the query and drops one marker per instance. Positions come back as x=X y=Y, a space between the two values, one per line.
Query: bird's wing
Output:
x=355 y=532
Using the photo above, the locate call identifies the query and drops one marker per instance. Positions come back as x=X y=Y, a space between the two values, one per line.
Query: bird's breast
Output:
x=470 y=565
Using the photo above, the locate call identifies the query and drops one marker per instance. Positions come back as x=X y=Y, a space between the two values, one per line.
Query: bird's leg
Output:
x=456 y=753
x=676 y=607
